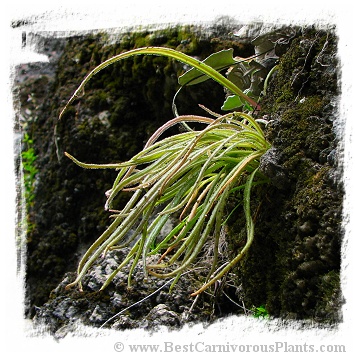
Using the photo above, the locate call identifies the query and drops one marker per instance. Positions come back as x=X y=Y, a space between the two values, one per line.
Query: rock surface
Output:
x=147 y=304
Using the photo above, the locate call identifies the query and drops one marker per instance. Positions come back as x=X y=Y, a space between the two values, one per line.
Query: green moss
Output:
x=329 y=297
x=286 y=94
x=294 y=264
x=98 y=101
x=311 y=106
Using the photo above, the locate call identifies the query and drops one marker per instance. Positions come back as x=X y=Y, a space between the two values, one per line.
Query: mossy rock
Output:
x=293 y=265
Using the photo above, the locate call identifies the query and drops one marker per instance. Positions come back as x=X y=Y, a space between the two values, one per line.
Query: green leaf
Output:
x=232 y=102
x=260 y=312
x=168 y=52
x=217 y=61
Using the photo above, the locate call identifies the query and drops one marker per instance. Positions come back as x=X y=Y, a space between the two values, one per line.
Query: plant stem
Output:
x=168 y=52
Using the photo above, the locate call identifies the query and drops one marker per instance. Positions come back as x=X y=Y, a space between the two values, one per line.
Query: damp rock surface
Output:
x=118 y=306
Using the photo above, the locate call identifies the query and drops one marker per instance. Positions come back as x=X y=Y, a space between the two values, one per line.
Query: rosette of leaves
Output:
x=190 y=175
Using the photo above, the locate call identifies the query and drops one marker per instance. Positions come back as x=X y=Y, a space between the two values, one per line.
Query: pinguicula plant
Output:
x=189 y=175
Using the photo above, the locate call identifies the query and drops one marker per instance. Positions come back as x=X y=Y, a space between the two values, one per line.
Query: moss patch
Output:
x=294 y=265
